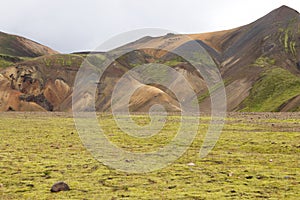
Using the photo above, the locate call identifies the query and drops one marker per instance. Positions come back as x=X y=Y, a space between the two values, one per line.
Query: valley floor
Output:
x=256 y=157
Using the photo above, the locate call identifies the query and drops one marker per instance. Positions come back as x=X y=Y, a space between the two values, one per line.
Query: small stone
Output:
x=30 y=185
x=288 y=177
x=259 y=177
x=249 y=177
x=191 y=164
x=172 y=187
x=271 y=160
x=60 y=186
x=47 y=176
x=129 y=161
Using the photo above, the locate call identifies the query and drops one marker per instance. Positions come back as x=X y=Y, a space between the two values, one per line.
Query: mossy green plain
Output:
x=256 y=157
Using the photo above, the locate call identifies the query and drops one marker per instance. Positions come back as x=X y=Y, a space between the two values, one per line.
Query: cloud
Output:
x=69 y=26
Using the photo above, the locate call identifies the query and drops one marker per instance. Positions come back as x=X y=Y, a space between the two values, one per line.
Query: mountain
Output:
x=259 y=63
x=19 y=46
x=15 y=49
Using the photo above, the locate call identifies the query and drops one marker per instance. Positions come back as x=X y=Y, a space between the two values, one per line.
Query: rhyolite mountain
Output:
x=19 y=46
x=259 y=63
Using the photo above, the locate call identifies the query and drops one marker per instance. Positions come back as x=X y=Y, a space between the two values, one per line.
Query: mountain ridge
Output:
x=14 y=45
x=259 y=63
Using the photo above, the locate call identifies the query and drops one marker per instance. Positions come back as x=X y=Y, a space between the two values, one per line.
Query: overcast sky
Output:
x=70 y=25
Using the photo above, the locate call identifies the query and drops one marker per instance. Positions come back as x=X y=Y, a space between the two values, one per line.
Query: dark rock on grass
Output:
x=59 y=186
x=172 y=186
x=249 y=177
x=260 y=177
x=30 y=185
x=289 y=177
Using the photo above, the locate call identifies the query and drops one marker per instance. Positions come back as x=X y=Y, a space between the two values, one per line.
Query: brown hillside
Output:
x=19 y=46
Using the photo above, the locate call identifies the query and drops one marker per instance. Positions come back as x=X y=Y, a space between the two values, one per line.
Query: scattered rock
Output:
x=85 y=166
x=271 y=160
x=219 y=162
x=172 y=187
x=47 y=176
x=249 y=177
x=152 y=181
x=191 y=164
x=288 y=177
x=129 y=161
x=60 y=186
x=30 y=185
x=54 y=146
x=260 y=177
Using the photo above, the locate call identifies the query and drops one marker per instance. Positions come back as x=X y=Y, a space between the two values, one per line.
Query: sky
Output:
x=70 y=25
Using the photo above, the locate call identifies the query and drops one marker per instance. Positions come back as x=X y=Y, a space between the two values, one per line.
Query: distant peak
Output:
x=285 y=9
x=283 y=13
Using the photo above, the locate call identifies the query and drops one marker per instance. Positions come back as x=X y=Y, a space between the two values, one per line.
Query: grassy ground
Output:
x=256 y=157
x=276 y=87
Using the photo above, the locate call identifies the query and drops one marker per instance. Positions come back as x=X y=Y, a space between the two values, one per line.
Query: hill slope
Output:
x=19 y=46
